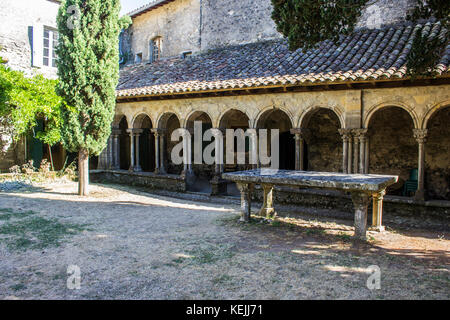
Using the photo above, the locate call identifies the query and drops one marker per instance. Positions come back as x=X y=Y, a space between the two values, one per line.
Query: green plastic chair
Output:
x=411 y=184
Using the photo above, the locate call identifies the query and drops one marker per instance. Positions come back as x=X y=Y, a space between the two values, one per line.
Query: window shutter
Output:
x=38 y=45
x=152 y=50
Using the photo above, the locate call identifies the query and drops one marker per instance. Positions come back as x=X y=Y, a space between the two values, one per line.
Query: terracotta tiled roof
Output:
x=366 y=55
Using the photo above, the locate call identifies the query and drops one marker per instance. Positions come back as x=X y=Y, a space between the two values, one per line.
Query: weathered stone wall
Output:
x=230 y=22
x=393 y=149
x=437 y=156
x=324 y=144
x=152 y=181
x=17 y=19
x=383 y=12
x=177 y=23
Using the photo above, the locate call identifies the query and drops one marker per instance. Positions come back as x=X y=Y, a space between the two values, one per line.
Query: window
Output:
x=186 y=54
x=155 y=49
x=138 y=58
x=50 y=44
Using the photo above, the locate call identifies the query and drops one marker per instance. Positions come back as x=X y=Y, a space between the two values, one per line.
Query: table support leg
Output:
x=377 y=215
x=267 y=211
x=246 y=202
x=360 y=203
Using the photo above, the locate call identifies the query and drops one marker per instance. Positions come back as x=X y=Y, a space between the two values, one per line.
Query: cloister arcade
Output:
x=391 y=138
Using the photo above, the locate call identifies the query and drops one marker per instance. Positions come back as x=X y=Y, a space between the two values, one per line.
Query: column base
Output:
x=218 y=186
x=189 y=177
x=268 y=213
x=378 y=229
x=420 y=195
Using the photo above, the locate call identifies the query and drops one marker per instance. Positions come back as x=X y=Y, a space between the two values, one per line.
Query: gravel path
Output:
x=134 y=245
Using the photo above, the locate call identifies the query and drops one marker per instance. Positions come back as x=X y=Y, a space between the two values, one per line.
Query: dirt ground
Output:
x=129 y=244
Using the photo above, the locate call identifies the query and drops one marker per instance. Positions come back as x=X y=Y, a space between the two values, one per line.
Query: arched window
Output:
x=155 y=49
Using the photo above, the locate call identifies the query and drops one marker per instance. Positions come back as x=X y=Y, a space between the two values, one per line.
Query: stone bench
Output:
x=362 y=187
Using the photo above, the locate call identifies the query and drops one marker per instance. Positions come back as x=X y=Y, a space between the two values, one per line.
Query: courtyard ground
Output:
x=130 y=244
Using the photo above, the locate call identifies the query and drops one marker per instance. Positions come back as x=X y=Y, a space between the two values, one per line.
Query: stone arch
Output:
x=203 y=172
x=137 y=120
x=268 y=111
x=392 y=147
x=162 y=119
x=322 y=143
x=435 y=109
x=169 y=122
x=117 y=119
x=437 y=153
x=124 y=143
x=278 y=118
x=371 y=111
x=227 y=112
x=192 y=114
x=309 y=112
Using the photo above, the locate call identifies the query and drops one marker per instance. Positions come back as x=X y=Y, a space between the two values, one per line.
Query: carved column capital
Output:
x=116 y=132
x=360 y=134
x=421 y=135
x=158 y=132
x=135 y=131
x=346 y=134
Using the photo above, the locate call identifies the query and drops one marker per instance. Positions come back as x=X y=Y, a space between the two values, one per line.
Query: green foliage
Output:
x=306 y=23
x=426 y=51
x=24 y=100
x=88 y=69
x=424 y=55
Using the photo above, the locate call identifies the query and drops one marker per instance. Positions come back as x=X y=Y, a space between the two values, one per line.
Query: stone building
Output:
x=28 y=36
x=348 y=107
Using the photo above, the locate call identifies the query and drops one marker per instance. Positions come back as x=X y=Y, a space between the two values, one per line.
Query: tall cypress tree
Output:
x=88 y=69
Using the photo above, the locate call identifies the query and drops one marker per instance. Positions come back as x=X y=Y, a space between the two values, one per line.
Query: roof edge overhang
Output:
x=309 y=87
x=148 y=7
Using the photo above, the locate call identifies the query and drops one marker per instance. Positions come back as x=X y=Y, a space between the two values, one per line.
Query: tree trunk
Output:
x=83 y=172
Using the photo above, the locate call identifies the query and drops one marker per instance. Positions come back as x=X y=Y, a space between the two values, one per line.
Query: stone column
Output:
x=115 y=149
x=421 y=137
x=218 y=185
x=267 y=211
x=350 y=153
x=157 y=151
x=252 y=133
x=377 y=214
x=246 y=202
x=162 y=151
x=360 y=204
x=187 y=172
x=355 y=151
x=131 y=133
x=361 y=135
x=346 y=143
x=137 y=166
x=367 y=157
x=299 y=147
